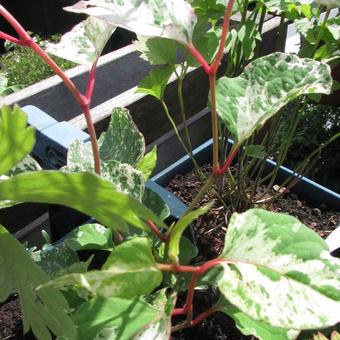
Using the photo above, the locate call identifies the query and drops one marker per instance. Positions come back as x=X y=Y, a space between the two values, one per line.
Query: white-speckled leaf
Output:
x=125 y=178
x=122 y=141
x=85 y=42
x=173 y=19
x=26 y=164
x=159 y=329
x=281 y=271
x=260 y=329
x=267 y=84
x=156 y=204
x=129 y=271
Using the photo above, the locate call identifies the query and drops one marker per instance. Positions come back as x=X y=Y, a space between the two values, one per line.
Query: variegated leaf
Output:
x=161 y=328
x=85 y=42
x=129 y=271
x=123 y=176
x=156 y=204
x=173 y=19
x=281 y=271
x=26 y=164
x=122 y=141
x=244 y=103
x=249 y=326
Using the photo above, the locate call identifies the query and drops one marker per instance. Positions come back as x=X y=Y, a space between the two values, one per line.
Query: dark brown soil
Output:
x=10 y=320
x=209 y=231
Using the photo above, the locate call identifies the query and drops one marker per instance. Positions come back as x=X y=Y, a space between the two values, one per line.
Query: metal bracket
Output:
x=53 y=138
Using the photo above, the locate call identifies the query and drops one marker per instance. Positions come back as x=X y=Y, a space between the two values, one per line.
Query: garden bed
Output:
x=210 y=230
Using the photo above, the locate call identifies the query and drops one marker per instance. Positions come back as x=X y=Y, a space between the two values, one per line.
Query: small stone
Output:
x=317 y=211
x=299 y=204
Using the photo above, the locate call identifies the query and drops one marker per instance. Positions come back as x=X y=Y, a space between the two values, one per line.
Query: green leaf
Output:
x=113 y=318
x=44 y=311
x=84 y=43
x=148 y=163
x=158 y=51
x=281 y=271
x=187 y=251
x=122 y=142
x=16 y=139
x=179 y=228
x=124 y=177
x=155 y=203
x=304 y=26
x=155 y=83
x=333 y=26
x=244 y=103
x=161 y=18
x=52 y=259
x=161 y=328
x=247 y=35
x=255 y=151
x=89 y=236
x=129 y=271
x=85 y=192
x=28 y=163
x=260 y=329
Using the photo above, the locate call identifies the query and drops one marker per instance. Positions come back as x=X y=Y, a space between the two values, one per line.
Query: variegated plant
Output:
x=275 y=276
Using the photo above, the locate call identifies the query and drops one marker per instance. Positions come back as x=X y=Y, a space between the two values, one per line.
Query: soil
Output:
x=209 y=231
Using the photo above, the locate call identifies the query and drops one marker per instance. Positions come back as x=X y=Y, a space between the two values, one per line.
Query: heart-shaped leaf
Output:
x=84 y=43
x=280 y=271
x=173 y=19
x=267 y=84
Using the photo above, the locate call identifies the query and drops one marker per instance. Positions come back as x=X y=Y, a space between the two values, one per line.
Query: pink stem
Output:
x=192 y=49
x=26 y=40
x=156 y=231
x=91 y=82
x=229 y=160
x=8 y=37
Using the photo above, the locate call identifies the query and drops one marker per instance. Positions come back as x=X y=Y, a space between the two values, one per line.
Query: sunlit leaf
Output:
x=244 y=103
x=129 y=271
x=122 y=142
x=113 y=318
x=156 y=81
x=89 y=236
x=84 y=43
x=173 y=19
x=148 y=163
x=280 y=271
x=28 y=163
x=84 y=192
x=179 y=228
x=44 y=311
x=260 y=329
x=161 y=328
x=16 y=139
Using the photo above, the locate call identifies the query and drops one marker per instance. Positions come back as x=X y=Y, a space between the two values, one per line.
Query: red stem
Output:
x=225 y=29
x=228 y=161
x=91 y=82
x=204 y=315
x=190 y=295
x=156 y=231
x=197 y=55
x=8 y=37
x=26 y=40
